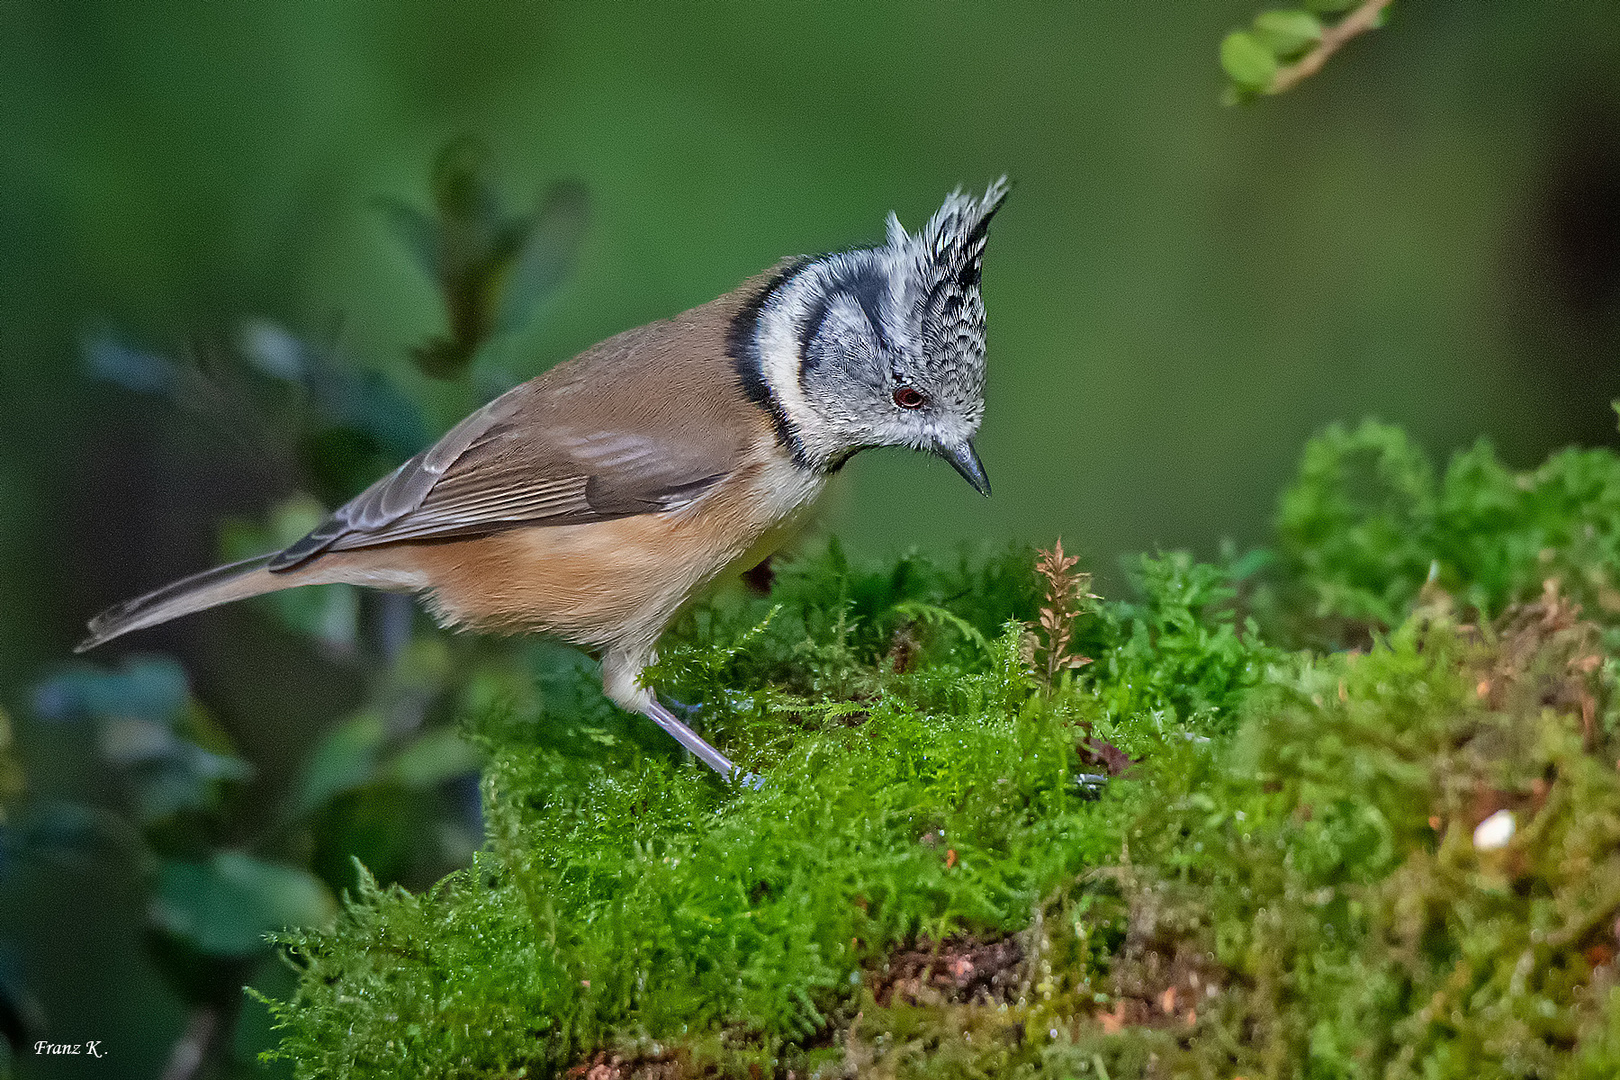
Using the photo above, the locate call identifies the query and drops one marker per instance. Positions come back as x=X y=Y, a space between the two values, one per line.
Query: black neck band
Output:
x=742 y=343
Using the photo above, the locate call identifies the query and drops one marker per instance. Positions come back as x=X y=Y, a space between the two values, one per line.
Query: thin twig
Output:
x=205 y=1044
x=1356 y=23
x=196 y=1046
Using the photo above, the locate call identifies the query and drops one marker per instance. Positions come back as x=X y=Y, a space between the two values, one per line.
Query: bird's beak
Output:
x=966 y=460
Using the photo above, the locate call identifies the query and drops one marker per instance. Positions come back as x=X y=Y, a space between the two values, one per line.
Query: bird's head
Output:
x=880 y=346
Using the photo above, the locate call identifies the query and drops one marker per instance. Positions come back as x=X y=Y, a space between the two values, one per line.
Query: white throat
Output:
x=776 y=336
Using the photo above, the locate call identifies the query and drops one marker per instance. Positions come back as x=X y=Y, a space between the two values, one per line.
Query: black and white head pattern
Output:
x=879 y=346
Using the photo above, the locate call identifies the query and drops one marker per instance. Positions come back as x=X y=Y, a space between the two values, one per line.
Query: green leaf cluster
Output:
x=491 y=267
x=1251 y=58
x=1254 y=58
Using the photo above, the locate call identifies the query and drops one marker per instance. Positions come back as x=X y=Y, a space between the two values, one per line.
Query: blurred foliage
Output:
x=220 y=870
x=214 y=895
x=1370 y=522
x=1285 y=876
x=310 y=413
x=491 y=267
x=387 y=785
x=1285 y=46
x=216 y=892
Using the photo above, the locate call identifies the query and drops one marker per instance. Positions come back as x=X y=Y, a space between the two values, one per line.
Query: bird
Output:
x=601 y=497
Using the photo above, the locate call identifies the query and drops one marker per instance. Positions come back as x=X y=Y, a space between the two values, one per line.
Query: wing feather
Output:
x=643 y=423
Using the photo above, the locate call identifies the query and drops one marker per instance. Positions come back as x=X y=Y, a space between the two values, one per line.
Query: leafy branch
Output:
x=1284 y=47
x=491 y=266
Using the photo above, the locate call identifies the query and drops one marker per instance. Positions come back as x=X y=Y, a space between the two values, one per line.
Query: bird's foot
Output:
x=1091 y=785
x=688 y=711
x=750 y=780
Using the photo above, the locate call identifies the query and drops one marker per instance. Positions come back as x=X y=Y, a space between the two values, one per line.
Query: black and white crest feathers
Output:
x=954 y=237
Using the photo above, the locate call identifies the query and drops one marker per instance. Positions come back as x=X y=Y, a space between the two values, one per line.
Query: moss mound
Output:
x=1350 y=808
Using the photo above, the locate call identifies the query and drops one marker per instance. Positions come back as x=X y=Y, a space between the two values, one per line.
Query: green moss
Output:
x=1286 y=884
x=635 y=898
x=1367 y=524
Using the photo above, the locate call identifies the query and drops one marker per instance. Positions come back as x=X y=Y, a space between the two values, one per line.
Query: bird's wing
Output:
x=640 y=424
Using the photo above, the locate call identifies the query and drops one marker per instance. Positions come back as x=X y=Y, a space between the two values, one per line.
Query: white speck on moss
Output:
x=1495 y=831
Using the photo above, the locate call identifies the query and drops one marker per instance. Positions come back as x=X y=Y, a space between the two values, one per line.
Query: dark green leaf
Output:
x=345 y=759
x=368 y=402
x=166 y=788
x=547 y=251
x=149 y=687
x=168 y=773
x=443 y=358
x=418 y=233
x=226 y=906
x=461 y=191
x=61 y=830
x=432 y=758
x=132 y=369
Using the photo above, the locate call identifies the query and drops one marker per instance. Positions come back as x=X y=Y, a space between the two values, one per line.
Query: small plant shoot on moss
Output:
x=1066 y=592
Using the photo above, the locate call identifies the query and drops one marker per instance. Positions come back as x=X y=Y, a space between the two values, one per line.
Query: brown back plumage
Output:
x=643 y=422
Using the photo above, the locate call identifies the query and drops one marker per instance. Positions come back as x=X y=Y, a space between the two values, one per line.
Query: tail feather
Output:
x=221 y=585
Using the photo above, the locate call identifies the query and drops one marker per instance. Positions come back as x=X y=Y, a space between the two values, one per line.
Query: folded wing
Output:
x=619 y=434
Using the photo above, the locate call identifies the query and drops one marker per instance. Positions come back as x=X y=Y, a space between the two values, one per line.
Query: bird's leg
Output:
x=714 y=759
x=621 y=681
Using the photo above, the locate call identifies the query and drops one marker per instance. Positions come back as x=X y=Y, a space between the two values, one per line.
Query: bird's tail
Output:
x=221 y=585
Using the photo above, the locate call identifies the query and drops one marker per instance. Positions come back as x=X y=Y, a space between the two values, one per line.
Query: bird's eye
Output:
x=908 y=397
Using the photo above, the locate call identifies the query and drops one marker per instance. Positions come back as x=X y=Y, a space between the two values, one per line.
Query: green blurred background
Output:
x=1178 y=293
